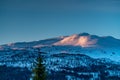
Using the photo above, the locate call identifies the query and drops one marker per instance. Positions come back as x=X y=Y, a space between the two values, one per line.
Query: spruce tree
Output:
x=39 y=71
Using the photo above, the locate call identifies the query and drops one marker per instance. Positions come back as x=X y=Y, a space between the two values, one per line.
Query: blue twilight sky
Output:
x=28 y=20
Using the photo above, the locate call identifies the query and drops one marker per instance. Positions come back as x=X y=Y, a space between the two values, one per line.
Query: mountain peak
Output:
x=82 y=39
x=84 y=34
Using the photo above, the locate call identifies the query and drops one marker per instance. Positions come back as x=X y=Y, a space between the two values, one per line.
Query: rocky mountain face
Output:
x=80 y=56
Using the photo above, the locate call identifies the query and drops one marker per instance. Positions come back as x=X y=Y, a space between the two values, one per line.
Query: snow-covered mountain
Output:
x=31 y=44
x=87 y=40
x=82 y=39
x=91 y=45
x=79 y=56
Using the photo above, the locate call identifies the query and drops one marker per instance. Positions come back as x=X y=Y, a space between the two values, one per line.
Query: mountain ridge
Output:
x=82 y=39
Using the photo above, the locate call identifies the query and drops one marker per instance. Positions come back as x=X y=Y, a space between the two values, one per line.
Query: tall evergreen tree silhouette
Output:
x=39 y=71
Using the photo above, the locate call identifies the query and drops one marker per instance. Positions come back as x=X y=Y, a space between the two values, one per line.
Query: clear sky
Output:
x=29 y=20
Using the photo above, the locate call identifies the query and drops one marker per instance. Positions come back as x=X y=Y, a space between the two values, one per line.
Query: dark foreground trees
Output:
x=39 y=71
x=14 y=73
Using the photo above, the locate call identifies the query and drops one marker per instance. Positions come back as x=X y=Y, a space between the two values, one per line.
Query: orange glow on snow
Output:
x=75 y=40
x=82 y=41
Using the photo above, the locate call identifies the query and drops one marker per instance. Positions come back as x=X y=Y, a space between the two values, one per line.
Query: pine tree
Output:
x=39 y=71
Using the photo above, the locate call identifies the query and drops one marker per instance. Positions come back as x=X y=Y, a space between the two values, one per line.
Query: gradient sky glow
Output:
x=29 y=20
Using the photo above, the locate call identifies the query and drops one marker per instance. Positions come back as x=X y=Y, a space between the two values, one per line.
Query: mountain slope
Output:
x=60 y=66
x=82 y=39
x=87 y=40
x=31 y=44
x=76 y=57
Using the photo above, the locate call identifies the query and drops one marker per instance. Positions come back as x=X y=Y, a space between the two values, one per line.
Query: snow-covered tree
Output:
x=39 y=71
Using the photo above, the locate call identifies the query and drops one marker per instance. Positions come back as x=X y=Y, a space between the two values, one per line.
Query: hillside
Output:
x=75 y=57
